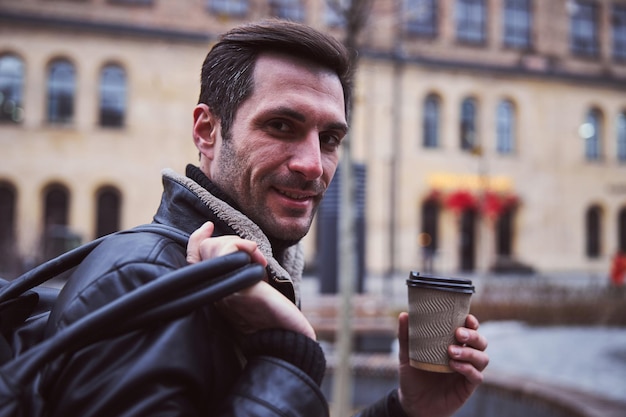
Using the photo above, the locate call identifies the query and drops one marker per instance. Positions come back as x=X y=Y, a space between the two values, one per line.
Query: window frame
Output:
x=422 y=18
x=232 y=8
x=431 y=121
x=468 y=144
x=618 y=30
x=471 y=22
x=61 y=92
x=517 y=21
x=506 y=127
x=293 y=10
x=11 y=86
x=620 y=137
x=584 y=28
x=112 y=105
x=594 y=148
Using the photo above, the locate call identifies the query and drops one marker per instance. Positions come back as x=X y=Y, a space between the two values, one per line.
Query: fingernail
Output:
x=463 y=335
x=455 y=351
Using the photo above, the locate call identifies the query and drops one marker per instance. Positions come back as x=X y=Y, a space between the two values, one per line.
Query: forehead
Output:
x=278 y=70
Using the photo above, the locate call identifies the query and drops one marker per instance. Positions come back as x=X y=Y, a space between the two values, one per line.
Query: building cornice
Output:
x=85 y=25
x=517 y=71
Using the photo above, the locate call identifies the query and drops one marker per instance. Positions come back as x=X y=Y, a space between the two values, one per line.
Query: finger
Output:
x=195 y=240
x=471 y=338
x=403 y=338
x=472 y=322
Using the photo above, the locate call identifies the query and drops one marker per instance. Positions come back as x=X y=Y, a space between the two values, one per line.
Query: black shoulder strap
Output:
x=69 y=260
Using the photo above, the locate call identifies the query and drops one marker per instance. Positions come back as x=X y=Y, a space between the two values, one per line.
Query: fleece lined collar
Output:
x=287 y=270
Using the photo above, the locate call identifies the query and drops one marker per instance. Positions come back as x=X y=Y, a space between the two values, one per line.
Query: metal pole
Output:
x=342 y=381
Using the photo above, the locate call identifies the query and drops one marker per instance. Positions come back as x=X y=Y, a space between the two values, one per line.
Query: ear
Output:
x=206 y=130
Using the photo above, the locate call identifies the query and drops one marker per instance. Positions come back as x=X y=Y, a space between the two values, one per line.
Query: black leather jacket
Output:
x=189 y=367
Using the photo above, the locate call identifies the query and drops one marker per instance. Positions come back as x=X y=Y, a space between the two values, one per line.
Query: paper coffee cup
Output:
x=437 y=307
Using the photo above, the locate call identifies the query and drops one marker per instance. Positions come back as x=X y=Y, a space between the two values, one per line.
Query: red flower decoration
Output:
x=460 y=200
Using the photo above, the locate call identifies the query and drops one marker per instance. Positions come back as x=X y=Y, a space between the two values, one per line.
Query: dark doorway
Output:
x=467 y=243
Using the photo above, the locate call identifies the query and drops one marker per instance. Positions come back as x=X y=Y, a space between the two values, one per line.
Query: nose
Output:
x=306 y=158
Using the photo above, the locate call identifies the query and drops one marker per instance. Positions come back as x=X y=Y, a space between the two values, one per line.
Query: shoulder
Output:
x=116 y=266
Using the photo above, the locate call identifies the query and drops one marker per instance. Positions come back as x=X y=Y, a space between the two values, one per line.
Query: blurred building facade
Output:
x=492 y=132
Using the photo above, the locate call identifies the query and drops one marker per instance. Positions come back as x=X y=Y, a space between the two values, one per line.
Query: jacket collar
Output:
x=286 y=273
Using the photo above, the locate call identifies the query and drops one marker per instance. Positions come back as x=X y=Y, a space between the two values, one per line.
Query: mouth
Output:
x=296 y=195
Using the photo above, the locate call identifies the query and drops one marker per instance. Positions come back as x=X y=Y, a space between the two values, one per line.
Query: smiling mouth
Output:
x=296 y=196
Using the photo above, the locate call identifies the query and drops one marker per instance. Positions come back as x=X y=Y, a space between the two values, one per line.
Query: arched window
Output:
x=112 y=96
x=56 y=214
x=621 y=230
x=621 y=137
x=592 y=135
x=468 y=125
x=431 y=122
x=11 y=87
x=8 y=252
x=429 y=236
x=61 y=90
x=593 y=228
x=505 y=128
x=108 y=206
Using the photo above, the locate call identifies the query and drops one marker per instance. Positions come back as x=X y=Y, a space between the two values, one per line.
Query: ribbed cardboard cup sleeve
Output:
x=437 y=306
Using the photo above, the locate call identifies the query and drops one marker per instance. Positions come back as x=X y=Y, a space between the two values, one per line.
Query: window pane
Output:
x=287 y=9
x=112 y=96
x=431 y=122
x=421 y=17
x=593 y=136
x=229 y=7
x=11 y=86
x=505 y=129
x=619 y=32
x=621 y=137
x=584 y=28
x=470 y=21
x=468 y=124
x=61 y=87
x=517 y=23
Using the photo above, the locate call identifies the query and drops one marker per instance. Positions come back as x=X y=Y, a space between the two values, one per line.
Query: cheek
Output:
x=330 y=168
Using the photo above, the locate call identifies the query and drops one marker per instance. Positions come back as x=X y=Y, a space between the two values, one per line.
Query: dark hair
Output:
x=227 y=71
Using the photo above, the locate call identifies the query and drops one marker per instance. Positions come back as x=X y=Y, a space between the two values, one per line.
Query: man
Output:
x=268 y=127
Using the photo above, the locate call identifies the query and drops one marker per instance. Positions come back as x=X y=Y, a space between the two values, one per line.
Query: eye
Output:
x=279 y=125
x=330 y=141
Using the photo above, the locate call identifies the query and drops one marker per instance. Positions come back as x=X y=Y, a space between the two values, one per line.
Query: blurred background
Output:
x=488 y=141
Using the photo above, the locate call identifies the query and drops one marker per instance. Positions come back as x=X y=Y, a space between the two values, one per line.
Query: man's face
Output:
x=284 y=145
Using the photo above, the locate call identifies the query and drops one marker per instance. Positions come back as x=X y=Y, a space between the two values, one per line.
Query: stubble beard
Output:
x=231 y=170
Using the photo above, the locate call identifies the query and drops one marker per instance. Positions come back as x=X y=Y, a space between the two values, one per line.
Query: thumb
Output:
x=195 y=240
x=403 y=338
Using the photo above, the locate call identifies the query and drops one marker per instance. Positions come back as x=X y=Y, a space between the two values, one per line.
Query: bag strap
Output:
x=69 y=260
x=170 y=296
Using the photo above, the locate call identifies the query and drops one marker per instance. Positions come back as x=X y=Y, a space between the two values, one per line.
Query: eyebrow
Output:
x=289 y=112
